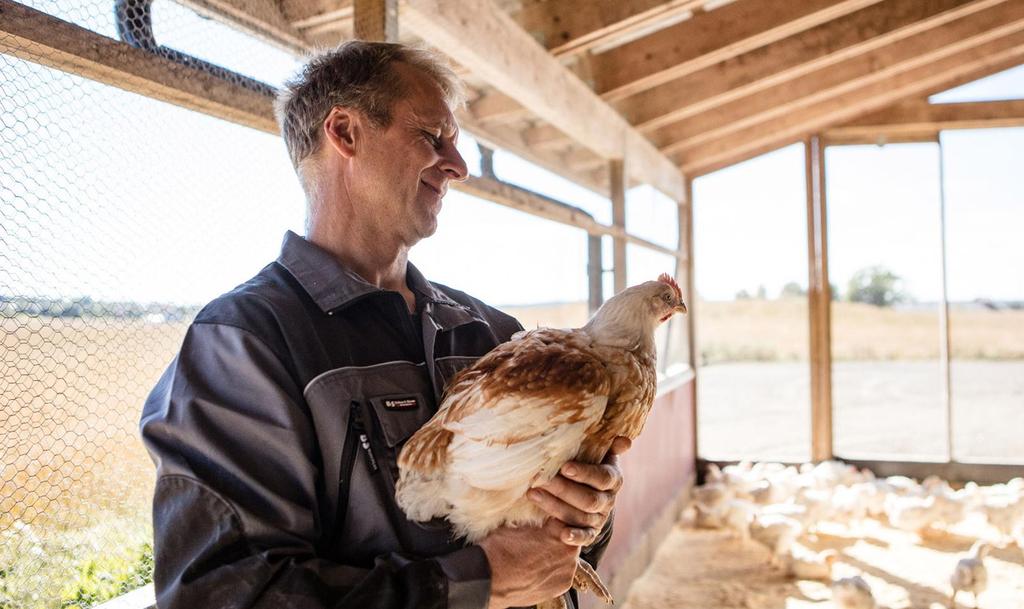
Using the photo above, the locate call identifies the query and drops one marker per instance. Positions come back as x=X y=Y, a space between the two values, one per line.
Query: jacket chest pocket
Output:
x=445 y=368
x=363 y=417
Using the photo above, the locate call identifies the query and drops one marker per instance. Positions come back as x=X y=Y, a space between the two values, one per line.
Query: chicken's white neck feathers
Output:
x=625 y=322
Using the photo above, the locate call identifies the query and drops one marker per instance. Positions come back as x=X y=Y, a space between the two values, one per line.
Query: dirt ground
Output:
x=715 y=569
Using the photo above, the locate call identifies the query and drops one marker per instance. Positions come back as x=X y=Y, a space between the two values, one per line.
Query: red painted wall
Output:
x=655 y=469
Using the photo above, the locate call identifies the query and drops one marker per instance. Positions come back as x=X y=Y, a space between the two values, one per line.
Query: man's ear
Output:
x=342 y=129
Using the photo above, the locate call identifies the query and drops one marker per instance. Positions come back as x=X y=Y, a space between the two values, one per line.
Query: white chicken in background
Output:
x=738 y=515
x=804 y=563
x=914 y=514
x=1004 y=510
x=775 y=532
x=510 y=421
x=904 y=486
x=970 y=574
x=712 y=496
x=852 y=593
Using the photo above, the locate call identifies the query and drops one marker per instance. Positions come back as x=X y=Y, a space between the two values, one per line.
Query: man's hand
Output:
x=528 y=565
x=581 y=497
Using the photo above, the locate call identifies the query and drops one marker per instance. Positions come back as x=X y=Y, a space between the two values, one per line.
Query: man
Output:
x=276 y=429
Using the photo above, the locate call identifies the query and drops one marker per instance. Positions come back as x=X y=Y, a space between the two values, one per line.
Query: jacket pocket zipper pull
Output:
x=364 y=443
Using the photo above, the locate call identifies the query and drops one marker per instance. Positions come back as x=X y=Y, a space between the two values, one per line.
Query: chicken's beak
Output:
x=679 y=308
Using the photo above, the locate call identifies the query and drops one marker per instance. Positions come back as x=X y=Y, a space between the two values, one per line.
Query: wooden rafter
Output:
x=569 y=27
x=707 y=39
x=497 y=50
x=966 y=66
x=837 y=82
x=921 y=120
x=305 y=14
x=828 y=44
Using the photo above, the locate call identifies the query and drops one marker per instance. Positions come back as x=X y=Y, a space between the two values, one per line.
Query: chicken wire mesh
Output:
x=119 y=216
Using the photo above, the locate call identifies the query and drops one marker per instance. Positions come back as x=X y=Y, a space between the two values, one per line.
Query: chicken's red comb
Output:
x=667 y=279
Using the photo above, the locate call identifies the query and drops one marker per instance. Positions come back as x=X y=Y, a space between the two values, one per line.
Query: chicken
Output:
x=970 y=574
x=804 y=563
x=852 y=593
x=775 y=532
x=509 y=422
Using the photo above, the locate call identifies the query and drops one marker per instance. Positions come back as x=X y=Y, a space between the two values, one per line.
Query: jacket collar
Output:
x=332 y=286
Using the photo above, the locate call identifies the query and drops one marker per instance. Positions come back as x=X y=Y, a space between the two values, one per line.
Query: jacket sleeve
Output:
x=235 y=510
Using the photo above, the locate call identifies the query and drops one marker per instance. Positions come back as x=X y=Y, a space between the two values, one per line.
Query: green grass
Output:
x=74 y=569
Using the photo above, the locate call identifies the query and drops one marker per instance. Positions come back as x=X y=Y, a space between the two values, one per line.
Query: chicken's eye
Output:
x=666 y=297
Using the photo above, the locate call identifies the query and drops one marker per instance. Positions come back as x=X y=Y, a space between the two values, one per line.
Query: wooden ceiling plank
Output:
x=967 y=66
x=476 y=34
x=495 y=106
x=918 y=116
x=819 y=47
x=306 y=13
x=570 y=27
x=707 y=39
x=838 y=80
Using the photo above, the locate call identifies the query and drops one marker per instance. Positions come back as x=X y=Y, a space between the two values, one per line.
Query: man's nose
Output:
x=452 y=164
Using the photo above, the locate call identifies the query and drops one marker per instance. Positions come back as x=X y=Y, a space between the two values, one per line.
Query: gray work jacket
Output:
x=275 y=432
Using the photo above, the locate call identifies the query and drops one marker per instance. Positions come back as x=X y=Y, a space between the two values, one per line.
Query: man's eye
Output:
x=434 y=140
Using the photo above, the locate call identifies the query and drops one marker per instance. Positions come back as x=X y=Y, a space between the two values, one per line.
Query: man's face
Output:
x=404 y=169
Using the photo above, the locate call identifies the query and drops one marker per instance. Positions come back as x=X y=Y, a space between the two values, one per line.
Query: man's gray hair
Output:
x=358 y=75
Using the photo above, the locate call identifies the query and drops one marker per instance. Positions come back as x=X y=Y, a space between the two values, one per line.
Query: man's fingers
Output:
x=585 y=497
x=565 y=512
x=579 y=537
x=620 y=445
x=603 y=477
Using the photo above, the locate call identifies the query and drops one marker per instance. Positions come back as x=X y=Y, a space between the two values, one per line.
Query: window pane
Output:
x=534 y=269
x=652 y=216
x=884 y=259
x=750 y=235
x=516 y=170
x=985 y=220
x=642 y=265
x=1008 y=84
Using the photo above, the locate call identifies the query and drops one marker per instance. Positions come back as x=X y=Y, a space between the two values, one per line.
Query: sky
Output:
x=127 y=198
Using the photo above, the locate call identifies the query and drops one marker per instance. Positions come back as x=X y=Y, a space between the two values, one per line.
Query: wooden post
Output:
x=686 y=248
x=820 y=301
x=595 y=273
x=944 y=344
x=376 y=20
x=617 y=177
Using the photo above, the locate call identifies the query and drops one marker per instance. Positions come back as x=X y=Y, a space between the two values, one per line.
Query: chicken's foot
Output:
x=586 y=578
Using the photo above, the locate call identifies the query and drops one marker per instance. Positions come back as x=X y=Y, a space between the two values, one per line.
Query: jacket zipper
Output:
x=387 y=497
x=348 y=461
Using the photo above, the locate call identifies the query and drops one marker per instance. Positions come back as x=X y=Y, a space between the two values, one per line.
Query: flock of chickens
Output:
x=774 y=505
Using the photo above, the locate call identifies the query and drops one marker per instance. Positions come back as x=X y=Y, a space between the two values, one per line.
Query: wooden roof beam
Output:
x=819 y=47
x=570 y=27
x=476 y=34
x=967 y=66
x=707 y=39
x=918 y=119
x=838 y=81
